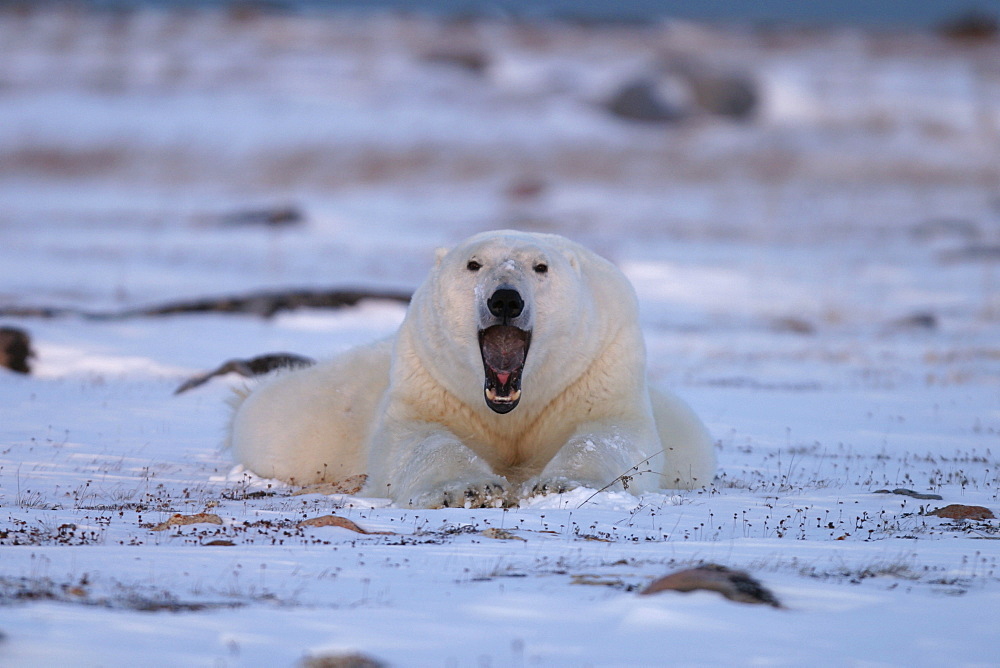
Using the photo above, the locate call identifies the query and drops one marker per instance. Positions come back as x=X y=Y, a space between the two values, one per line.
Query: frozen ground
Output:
x=821 y=283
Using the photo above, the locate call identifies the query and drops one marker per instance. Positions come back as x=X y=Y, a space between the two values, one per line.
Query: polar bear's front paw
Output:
x=486 y=494
x=549 y=486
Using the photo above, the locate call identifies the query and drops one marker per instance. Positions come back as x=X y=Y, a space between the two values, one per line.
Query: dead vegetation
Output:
x=264 y=304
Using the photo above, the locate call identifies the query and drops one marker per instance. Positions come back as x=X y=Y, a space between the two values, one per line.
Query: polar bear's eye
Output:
x=473 y=266
x=541 y=268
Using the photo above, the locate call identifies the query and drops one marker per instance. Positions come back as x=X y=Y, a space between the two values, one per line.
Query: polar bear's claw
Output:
x=551 y=486
x=480 y=495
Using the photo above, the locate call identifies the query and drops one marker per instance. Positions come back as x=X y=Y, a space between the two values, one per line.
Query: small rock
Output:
x=15 y=349
x=922 y=320
x=473 y=61
x=793 y=325
x=526 y=188
x=972 y=253
x=283 y=216
x=944 y=228
x=643 y=100
x=353 y=660
x=723 y=94
x=734 y=585
x=957 y=511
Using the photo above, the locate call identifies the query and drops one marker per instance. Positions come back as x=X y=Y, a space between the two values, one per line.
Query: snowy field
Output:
x=821 y=282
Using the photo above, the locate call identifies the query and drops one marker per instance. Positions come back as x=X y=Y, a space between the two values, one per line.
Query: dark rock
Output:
x=724 y=94
x=353 y=660
x=254 y=366
x=277 y=217
x=681 y=89
x=972 y=27
x=793 y=325
x=248 y=11
x=15 y=349
x=643 y=100
x=526 y=188
x=916 y=321
x=973 y=253
x=734 y=585
x=472 y=61
x=943 y=228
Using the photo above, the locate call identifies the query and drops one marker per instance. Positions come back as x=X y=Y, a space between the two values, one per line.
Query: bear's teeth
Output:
x=492 y=396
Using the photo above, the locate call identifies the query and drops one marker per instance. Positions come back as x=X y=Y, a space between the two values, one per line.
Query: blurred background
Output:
x=790 y=167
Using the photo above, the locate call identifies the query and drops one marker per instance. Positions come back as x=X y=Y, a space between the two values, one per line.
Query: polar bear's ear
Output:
x=439 y=255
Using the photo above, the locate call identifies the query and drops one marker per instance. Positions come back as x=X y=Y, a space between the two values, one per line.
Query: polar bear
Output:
x=519 y=368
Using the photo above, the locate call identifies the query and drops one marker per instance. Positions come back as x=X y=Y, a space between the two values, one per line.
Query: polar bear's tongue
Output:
x=504 y=349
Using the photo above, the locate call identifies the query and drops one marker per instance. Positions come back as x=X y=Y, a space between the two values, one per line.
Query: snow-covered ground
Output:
x=821 y=282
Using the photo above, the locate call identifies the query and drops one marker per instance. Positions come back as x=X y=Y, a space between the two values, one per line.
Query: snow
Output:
x=782 y=267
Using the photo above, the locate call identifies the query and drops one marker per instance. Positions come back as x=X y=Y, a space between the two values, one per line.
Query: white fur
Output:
x=411 y=414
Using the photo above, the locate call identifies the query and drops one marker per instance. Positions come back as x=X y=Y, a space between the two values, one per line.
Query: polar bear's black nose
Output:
x=506 y=304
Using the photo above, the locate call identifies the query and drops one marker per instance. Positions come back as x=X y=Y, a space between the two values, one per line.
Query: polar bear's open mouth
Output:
x=504 y=349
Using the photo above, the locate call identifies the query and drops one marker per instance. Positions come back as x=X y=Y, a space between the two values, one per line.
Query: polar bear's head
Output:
x=509 y=308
